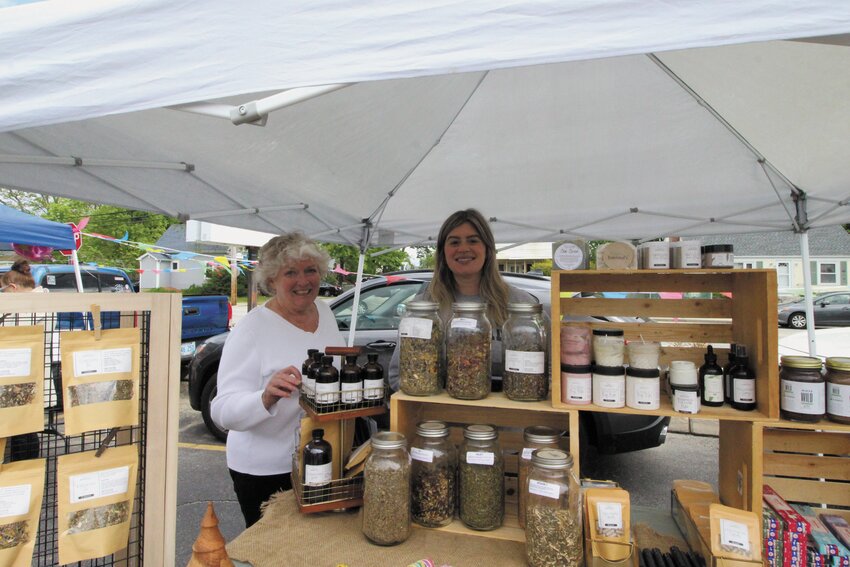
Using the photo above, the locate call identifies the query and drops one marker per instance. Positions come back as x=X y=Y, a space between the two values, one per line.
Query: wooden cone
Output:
x=208 y=550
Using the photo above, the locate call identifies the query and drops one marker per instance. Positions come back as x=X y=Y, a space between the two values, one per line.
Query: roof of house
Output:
x=175 y=238
x=826 y=241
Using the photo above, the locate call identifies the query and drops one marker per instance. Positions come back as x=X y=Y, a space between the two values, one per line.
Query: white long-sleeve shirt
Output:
x=260 y=441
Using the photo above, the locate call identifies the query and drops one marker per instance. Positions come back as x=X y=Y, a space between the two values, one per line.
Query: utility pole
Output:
x=234 y=274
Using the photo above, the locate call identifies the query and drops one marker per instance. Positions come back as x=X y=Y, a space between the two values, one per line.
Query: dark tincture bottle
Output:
x=727 y=370
x=373 y=380
x=711 y=380
x=743 y=382
x=327 y=383
x=351 y=382
x=308 y=361
x=310 y=378
x=317 y=456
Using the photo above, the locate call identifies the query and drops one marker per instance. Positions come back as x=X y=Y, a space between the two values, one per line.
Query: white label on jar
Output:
x=480 y=457
x=803 y=397
x=15 y=500
x=579 y=388
x=415 y=328
x=526 y=453
x=744 y=390
x=308 y=385
x=568 y=256
x=327 y=393
x=352 y=393
x=525 y=362
x=647 y=394
x=547 y=489
x=317 y=475
x=838 y=402
x=734 y=534
x=108 y=361
x=713 y=388
x=609 y=515
x=99 y=484
x=686 y=402
x=373 y=389
x=464 y=323
x=15 y=362
x=609 y=391
x=424 y=455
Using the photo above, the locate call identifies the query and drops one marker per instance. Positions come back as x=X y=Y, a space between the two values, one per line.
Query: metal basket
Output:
x=336 y=495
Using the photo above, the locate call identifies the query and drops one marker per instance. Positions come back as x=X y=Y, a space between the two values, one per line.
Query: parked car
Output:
x=382 y=301
x=831 y=310
x=328 y=289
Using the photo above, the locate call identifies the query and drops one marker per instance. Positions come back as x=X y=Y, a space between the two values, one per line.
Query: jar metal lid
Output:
x=838 y=363
x=388 y=440
x=525 y=308
x=576 y=368
x=422 y=305
x=609 y=370
x=480 y=432
x=712 y=248
x=541 y=434
x=551 y=459
x=808 y=362
x=468 y=306
x=643 y=372
x=608 y=332
x=432 y=429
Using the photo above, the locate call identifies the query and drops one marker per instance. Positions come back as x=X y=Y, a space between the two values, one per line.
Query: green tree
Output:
x=425 y=255
x=544 y=266
x=347 y=258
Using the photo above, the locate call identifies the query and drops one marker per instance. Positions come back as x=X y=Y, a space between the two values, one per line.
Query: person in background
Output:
x=259 y=374
x=466 y=270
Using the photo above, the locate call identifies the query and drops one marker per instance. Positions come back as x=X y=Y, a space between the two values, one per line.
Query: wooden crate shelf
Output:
x=741 y=309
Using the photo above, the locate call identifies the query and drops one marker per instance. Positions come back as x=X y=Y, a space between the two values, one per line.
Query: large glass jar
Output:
x=838 y=389
x=420 y=336
x=553 y=536
x=803 y=389
x=433 y=471
x=481 y=471
x=386 y=490
x=534 y=437
x=525 y=340
x=468 y=352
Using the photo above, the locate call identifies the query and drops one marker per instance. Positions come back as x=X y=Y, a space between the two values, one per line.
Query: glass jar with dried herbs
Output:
x=525 y=340
x=421 y=348
x=468 y=352
x=534 y=437
x=433 y=471
x=386 y=490
x=481 y=471
x=553 y=536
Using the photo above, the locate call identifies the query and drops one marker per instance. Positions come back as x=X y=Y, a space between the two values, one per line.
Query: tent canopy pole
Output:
x=801 y=219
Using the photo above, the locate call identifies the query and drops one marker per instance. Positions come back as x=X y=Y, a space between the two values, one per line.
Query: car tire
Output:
x=207 y=396
x=797 y=321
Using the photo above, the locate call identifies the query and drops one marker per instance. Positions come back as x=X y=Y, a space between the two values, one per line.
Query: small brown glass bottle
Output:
x=317 y=456
x=711 y=380
x=373 y=381
x=351 y=382
x=743 y=382
x=327 y=383
x=309 y=379
x=727 y=374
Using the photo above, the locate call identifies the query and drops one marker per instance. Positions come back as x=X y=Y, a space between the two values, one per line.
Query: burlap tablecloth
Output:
x=285 y=537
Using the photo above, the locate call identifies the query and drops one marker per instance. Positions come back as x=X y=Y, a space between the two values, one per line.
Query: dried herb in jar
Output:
x=99 y=392
x=14 y=395
x=14 y=534
x=524 y=337
x=432 y=495
x=386 y=490
x=482 y=496
x=468 y=357
x=521 y=386
x=553 y=537
x=98 y=517
x=419 y=364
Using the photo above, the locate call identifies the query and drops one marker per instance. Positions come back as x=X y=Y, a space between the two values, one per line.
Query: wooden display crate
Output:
x=510 y=418
x=735 y=306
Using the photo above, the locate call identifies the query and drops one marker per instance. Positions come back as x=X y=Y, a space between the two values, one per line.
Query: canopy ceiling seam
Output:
x=94 y=162
x=778 y=196
x=725 y=220
x=247 y=211
x=331 y=226
x=335 y=230
x=838 y=205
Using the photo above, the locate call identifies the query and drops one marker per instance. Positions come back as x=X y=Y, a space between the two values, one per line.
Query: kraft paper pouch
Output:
x=95 y=502
x=2 y=451
x=608 y=511
x=101 y=383
x=21 y=380
x=735 y=534
x=21 y=492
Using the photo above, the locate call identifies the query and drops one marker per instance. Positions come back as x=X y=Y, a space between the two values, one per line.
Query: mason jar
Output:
x=481 y=472
x=553 y=529
x=433 y=471
x=534 y=437
x=386 y=490
x=420 y=336
x=838 y=389
x=468 y=352
x=803 y=389
x=525 y=340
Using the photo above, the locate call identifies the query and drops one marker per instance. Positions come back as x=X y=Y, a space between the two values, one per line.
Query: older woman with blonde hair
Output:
x=259 y=373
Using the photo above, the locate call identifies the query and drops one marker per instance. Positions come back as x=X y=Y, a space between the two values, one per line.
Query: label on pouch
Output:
x=525 y=362
x=317 y=475
x=15 y=362
x=99 y=484
x=803 y=397
x=547 y=489
x=609 y=515
x=480 y=458
x=15 y=500
x=108 y=361
x=734 y=534
x=415 y=328
x=424 y=455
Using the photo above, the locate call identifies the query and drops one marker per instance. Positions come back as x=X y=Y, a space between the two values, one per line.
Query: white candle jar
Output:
x=683 y=373
x=643 y=388
x=576 y=385
x=609 y=347
x=643 y=354
x=609 y=386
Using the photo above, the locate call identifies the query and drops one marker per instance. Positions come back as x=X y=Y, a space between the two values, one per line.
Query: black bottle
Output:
x=373 y=381
x=351 y=382
x=327 y=383
x=727 y=370
x=309 y=379
x=317 y=457
x=711 y=380
x=308 y=361
x=743 y=382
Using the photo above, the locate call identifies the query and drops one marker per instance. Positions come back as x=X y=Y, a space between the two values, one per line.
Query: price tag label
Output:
x=734 y=534
x=15 y=500
x=547 y=489
x=480 y=458
x=609 y=515
x=415 y=328
x=464 y=323
x=424 y=455
x=99 y=484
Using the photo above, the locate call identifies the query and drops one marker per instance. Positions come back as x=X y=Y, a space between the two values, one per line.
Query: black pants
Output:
x=251 y=491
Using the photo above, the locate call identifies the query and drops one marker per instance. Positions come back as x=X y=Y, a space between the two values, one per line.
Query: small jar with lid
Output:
x=609 y=386
x=534 y=437
x=643 y=388
x=468 y=352
x=718 y=256
x=803 y=389
x=421 y=344
x=386 y=490
x=553 y=530
x=576 y=385
x=525 y=340
x=643 y=354
x=481 y=478
x=609 y=346
x=575 y=345
x=838 y=389
x=433 y=472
